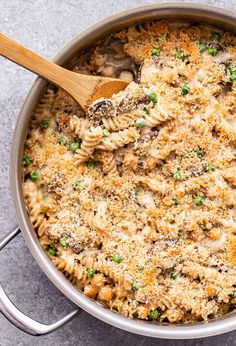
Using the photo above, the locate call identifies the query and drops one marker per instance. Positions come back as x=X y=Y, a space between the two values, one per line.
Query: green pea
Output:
x=152 y=97
x=136 y=191
x=208 y=168
x=64 y=241
x=212 y=51
x=198 y=201
x=44 y=123
x=62 y=141
x=174 y=275
x=134 y=286
x=185 y=90
x=117 y=258
x=28 y=160
x=202 y=47
x=231 y=70
x=146 y=110
x=154 y=314
x=156 y=52
x=233 y=294
x=216 y=36
x=74 y=146
x=180 y=55
x=34 y=176
x=141 y=122
x=91 y=164
x=177 y=175
x=176 y=201
x=90 y=273
x=200 y=153
x=77 y=185
x=51 y=250
x=105 y=133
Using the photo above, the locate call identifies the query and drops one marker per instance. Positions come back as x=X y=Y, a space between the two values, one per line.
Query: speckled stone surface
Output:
x=45 y=26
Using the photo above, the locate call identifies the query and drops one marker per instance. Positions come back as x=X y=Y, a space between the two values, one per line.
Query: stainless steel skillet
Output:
x=171 y=11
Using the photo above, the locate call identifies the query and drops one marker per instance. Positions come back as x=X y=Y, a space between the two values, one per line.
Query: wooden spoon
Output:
x=83 y=88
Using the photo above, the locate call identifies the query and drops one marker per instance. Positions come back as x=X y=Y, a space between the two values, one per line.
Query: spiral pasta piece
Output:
x=90 y=142
x=44 y=107
x=118 y=139
x=65 y=103
x=119 y=122
x=129 y=308
x=106 y=267
x=36 y=209
x=78 y=126
x=157 y=116
x=73 y=270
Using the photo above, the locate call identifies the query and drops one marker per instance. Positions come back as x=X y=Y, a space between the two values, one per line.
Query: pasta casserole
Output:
x=134 y=199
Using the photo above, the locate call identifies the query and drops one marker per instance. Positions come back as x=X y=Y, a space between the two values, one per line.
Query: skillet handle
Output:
x=15 y=316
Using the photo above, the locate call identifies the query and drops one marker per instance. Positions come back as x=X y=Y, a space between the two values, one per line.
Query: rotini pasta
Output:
x=37 y=208
x=89 y=144
x=64 y=103
x=156 y=117
x=44 y=108
x=118 y=139
x=119 y=123
x=74 y=271
x=78 y=126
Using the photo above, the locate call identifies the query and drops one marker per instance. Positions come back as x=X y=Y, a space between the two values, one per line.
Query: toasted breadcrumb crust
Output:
x=135 y=200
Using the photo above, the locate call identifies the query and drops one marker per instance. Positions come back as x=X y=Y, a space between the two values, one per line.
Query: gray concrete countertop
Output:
x=45 y=26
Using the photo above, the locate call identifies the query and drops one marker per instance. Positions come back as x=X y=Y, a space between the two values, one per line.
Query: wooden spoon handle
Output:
x=74 y=83
x=80 y=86
x=30 y=60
